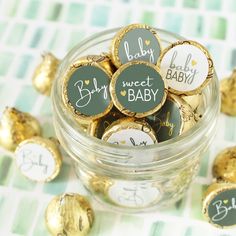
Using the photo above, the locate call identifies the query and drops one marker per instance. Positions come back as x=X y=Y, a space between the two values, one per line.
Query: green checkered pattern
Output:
x=29 y=27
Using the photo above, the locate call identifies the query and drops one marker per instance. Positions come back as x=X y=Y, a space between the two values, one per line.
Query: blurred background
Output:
x=30 y=27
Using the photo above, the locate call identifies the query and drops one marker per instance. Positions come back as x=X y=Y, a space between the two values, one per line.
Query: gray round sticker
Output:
x=88 y=90
x=222 y=208
x=138 y=89
x=139 y=44
x=167 y=121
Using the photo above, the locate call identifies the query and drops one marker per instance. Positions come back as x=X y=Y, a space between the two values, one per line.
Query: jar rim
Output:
x=209 y=115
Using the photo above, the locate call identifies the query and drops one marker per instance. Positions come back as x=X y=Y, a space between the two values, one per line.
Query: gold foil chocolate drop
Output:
x=129 y=89
x=90 y=74
x=135 y=42
x=104 y=59
x=130 y=131
x=16 y=126
x=199 y=63
x=173 y=119
x=69 y=214
x=228 y=94
x=39 y=159
x=100 y=184
x=195 y=101
x=224 y=167
x=97 y=127
x=45 y=73
x=219 y=205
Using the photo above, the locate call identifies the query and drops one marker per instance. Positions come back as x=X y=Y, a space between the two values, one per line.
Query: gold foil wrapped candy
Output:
x=194 y=76
x=16 y=126
x=85 y=88
x=228 y=94
x=69 y=214
x=97 y=127
x=194 y=101
x=173 y=119
x=39 y=159
x=135 y=42
x=45 y=73
x=104 y=59
x=219 y=205
x=130 y=131
x=219 y=202
x=134 y=92
x=224 y=167
x=100 y=184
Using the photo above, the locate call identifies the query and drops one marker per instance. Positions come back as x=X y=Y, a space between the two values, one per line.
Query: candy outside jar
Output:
x=170 y=166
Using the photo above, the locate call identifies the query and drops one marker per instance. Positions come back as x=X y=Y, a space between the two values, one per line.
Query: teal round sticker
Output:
x=136 y=42
x=87 y=91
x=137 y=89
x=222 y=208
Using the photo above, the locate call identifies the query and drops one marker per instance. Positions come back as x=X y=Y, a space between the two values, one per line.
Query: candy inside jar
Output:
x=144 y=128
x=162 y=86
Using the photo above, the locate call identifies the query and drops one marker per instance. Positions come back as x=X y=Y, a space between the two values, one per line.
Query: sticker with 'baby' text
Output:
x=174 y=118
x=222 y=208
x=167 y=121
x=129 y=131
x=131 y=137
x=35 y=161
x=136 y=42
x=186 y=66
x=134 y=194
x=87 y=91
x=137 y=89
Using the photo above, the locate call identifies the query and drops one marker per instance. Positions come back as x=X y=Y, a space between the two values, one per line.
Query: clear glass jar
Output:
x=101 y=166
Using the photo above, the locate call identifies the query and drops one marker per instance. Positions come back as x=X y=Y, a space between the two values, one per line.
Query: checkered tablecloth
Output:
x=29 y=27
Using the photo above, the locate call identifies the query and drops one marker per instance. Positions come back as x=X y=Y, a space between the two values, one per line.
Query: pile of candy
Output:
x=138 y=94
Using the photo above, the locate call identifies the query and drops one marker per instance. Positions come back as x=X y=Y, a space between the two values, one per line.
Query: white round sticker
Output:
x=134 y=193
x=35 y=161
x=131 y=137
x=185 y=67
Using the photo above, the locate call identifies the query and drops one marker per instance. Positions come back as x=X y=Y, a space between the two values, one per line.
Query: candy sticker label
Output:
x=133 y=193
x=185 y=67
x=139 y=88
x=87 y=90
x=131 y=137
x=167 y=121
x=222 y=208
x=35 y=161
x=139 y=44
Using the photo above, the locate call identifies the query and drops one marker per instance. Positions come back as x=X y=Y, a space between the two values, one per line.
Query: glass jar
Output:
x=103 y=167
